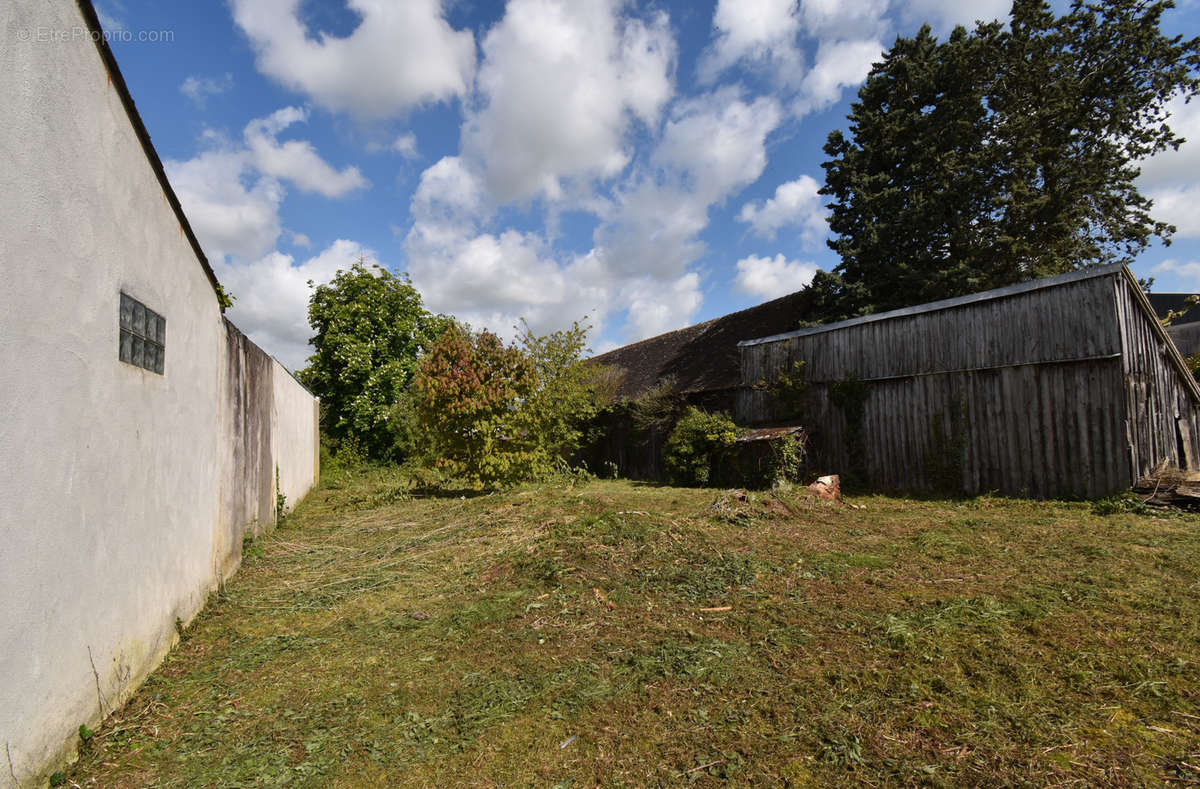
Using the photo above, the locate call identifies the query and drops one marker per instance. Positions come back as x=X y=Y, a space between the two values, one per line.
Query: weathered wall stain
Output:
x=248 y=475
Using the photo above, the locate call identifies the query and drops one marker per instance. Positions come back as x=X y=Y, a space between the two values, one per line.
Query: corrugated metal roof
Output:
x=769 y=433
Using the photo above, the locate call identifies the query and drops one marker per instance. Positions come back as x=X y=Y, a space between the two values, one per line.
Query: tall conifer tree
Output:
x=1001 y=154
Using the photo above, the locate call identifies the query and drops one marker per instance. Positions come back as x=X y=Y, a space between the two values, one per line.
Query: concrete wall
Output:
x=269 y=437
x=117 y=499
x=295 y=436
x=247 y=464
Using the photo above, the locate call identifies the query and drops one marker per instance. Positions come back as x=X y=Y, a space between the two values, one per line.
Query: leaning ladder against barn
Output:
x=1066 y=386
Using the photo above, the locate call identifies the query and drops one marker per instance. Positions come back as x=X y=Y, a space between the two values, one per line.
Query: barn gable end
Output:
x=1162 y=395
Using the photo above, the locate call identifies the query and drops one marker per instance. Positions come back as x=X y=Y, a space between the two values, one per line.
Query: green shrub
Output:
x=786 y=461
x=699 y=447
x=1123 y=504
x=496 y=414
x=790 y=391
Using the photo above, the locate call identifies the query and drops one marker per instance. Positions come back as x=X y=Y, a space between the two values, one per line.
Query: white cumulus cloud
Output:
x=1188 y=271
x=944 y=15
x=401 y=55
x=198 y=89
x=296 y=161
x=656 y=307
x=770 y=278
x=491 y=279
x=1169 y=178
x=271 y=296
x=761 y=32
x=406 y=145
x=1179 y=206
x=567 y=90
x=560 y=85
x=795 y=204
x=233 y=210
x=232 y=193
x=712 y=147
x=831 y=20
x=767 y=35
x=839 y=65
x=1176 y=167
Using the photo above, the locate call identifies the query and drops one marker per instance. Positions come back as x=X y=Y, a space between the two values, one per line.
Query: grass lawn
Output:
x=615 y=634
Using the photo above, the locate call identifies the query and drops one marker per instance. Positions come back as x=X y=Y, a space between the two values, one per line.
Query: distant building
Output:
x=702 y=361
x=1066 y=386
x=1184 y=330
x=142 y=435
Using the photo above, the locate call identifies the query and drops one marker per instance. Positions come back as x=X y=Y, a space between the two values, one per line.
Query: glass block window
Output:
x=143 y=336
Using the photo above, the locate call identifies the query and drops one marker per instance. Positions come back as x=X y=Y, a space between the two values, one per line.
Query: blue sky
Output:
x=647 y=164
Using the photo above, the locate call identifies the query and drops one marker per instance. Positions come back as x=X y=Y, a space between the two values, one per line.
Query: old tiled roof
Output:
x=1166 y=302
x=704 y=357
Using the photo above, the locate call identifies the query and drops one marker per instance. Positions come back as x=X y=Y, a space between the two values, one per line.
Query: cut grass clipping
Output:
x=621 y=635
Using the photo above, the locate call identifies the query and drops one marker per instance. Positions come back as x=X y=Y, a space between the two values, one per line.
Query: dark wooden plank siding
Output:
x=1069 y=321
x=1162 y=404
x=1026 y=393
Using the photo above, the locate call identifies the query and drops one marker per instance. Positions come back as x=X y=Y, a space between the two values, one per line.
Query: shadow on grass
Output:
x=432 y=492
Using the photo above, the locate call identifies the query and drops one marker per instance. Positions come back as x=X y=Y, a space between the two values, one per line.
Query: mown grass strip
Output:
x=673 y=636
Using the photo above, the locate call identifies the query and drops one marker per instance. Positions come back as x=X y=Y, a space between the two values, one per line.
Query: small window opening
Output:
x=143 y=336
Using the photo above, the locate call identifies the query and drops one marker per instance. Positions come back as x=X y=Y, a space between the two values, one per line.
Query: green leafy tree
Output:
x=371 y=329
x=496 y=414
x=699 y=446
x=566 y=391
x=1001 y=154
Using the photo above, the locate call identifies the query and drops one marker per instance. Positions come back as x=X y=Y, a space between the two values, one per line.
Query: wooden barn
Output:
x=1066 y=386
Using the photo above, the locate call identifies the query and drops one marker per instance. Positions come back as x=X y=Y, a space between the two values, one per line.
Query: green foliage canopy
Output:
x=1001 y=154
x=698 y=444
x=371 y=329
x=496 y=414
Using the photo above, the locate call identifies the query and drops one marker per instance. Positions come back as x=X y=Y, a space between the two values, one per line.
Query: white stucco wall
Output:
x=110 y=499
x=294 y=436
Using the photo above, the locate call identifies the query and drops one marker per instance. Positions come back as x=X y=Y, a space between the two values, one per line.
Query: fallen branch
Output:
x=717 y=609
x=1170 y=488
x=703 y=767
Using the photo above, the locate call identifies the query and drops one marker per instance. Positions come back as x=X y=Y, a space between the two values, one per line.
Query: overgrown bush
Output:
x=765 y=463
x=785 y=463
x=699 y=447
x=494 y=414
x=626 y=436
x=789 y=391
